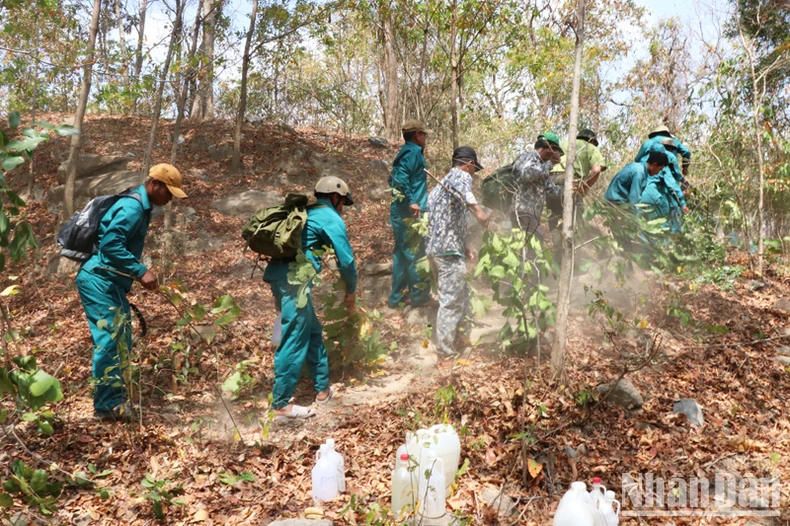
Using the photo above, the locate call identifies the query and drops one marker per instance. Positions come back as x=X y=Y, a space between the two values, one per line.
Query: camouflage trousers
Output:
x=452 y=316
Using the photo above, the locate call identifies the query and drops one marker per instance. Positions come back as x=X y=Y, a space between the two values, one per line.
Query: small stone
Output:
x=784 y=350
x=188 y=212
x=570 y=451
x=784 y=360
x=624 y=395
x=755 y=285
x=378 y=142
x=691 y=409
x=782 y=304
x=494 y=497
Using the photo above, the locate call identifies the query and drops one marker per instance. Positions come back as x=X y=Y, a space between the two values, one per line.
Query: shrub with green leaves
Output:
x=34 y=486
x=161 y=494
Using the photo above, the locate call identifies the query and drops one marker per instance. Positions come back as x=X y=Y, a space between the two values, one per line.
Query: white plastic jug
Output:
x=277 y=330
x=337 y=459
x=432 y=497
x=445 y=442
x=610 y=510
x=404 y=490
x=575 y=508
x=324 y=476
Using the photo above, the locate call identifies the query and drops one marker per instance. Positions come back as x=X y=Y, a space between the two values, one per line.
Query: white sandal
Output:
x=297 y=412
x=328 y=397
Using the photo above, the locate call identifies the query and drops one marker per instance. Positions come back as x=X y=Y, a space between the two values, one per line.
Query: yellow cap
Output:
x=168 y=174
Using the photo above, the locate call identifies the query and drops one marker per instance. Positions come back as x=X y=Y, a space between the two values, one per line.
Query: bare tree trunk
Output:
x=122 y=43
x=138 y=54
x=566 y=269
x=203 y=105
x=76 y=140
x=391 y=120
x=160 y=89
x=181 y=99
x=454 y=75
x=423 y=66
x=34 y=105
x=245 y=65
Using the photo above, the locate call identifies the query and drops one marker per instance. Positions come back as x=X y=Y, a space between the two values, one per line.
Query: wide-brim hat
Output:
x=414 y=125
x=661 y=130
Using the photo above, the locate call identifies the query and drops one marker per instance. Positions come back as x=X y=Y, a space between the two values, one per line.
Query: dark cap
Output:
x=588 y=135
x=465 y=153
x=658 y=157
x=669 y=144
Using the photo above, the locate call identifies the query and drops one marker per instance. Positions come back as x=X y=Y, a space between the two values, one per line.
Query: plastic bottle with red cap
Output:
x=403 y=490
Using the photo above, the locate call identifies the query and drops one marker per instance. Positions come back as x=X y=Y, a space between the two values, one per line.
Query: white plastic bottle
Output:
x=610 y=510
x=403 y=489
x=324 y=476
x=444 y=440
x=277 y=330
x=432 y=497
x=575 y=508
x=337 y=458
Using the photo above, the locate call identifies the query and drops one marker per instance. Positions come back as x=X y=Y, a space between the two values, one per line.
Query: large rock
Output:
x=624 y=395
x=91 y=165
x=378 y=269
x=375 y=289
x=691 y=409
x=87 y=189
x=378 y=142
x=246 y=203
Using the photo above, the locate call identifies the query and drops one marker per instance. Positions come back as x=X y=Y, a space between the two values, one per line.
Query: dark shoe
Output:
x=119 y=413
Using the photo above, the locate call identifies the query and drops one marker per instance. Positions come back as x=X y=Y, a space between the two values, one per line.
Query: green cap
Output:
x=552 y=139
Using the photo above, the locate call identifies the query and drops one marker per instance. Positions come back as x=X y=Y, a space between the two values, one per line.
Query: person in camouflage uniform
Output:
x=449 y=204
x=533 y=182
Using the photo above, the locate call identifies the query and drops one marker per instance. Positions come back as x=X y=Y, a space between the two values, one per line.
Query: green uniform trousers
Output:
x=101 y=300
x=406 y=281
x=302 y=340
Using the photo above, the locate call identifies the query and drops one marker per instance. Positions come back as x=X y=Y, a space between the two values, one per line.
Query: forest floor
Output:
x=714 y=345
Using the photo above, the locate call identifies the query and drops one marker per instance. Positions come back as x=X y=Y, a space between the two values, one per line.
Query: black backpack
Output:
x=498 y=190
x=80 y=235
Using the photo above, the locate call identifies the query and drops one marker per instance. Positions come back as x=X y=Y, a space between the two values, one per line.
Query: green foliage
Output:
x=514 y=264
x=34 y=486
x=161 y=494
x=372 y=515
x=227 y=478
x=351 y=340
x=240 y=381
x=31 y=388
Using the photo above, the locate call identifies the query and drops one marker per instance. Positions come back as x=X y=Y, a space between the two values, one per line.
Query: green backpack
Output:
x=277 y=231
x=498 y=190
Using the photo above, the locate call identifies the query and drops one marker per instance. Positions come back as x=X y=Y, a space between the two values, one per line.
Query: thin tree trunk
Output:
x=160 y=89
x=181 y=99
x=122 y=43
x=203 y=104
x=423 y=65
x=245 y=64
x=76 y=140
x=34 y=106
x=454 y=75
x=138 y=54
x=391 y=121
x=566 y=269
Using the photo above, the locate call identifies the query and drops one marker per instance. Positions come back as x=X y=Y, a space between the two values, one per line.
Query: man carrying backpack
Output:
x=410 y=199
x=106 y=277
x=302 y=338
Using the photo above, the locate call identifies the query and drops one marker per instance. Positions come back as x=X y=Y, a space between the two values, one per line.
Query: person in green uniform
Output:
x=655 y=137
x=628 y=184
x=410 y=199
x=302 y=334
x=587 y=168
x=106 y=277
